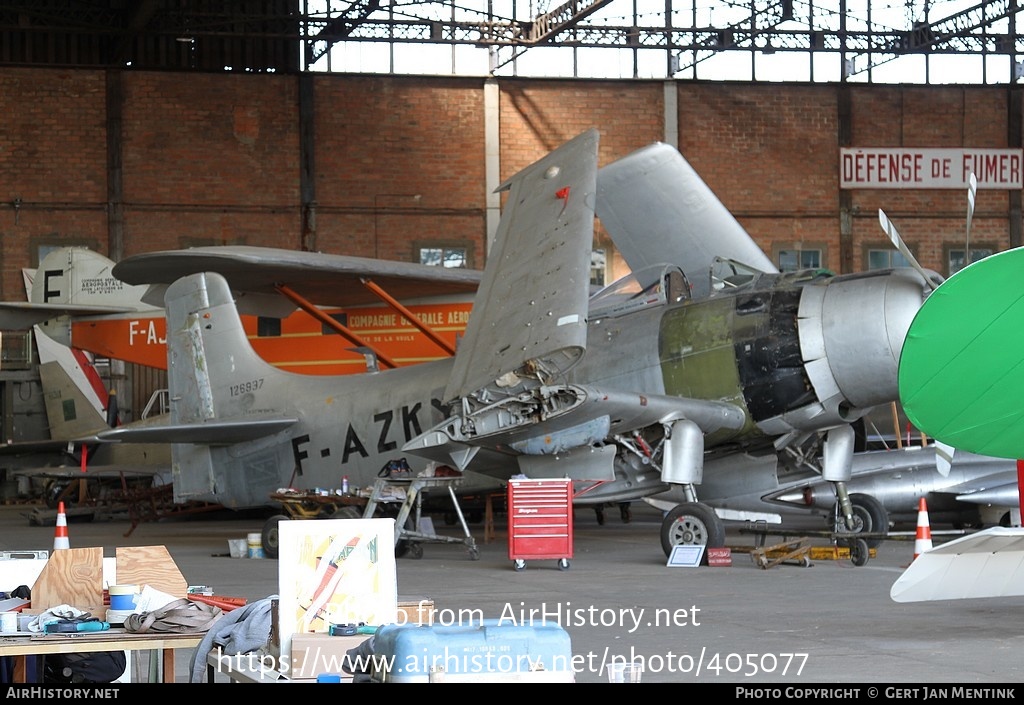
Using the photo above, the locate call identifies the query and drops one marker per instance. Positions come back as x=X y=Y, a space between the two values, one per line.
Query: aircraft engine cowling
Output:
x=851 y=335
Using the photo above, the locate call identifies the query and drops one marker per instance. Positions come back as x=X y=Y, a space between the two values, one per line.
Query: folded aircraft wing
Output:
x=531 y=309
x=657 y=209
x=324 y=279
x=529 y=326
x=988 y=563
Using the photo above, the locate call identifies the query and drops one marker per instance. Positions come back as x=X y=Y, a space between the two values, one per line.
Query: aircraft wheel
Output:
x=859 y=552
x=869 y=517
x=692 y=524
x=415 y=550
x=269 y=538
x=55 y=492
x=347 y=512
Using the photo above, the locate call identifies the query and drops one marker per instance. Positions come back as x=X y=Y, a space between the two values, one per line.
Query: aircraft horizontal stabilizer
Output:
x=988 y=563
x=16 y=315
x=208 y=432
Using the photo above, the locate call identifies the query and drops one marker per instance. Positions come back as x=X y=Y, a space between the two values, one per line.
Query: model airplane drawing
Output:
x=683 y=362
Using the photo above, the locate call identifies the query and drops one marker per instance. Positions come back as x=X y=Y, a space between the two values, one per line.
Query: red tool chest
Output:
x=540 y=521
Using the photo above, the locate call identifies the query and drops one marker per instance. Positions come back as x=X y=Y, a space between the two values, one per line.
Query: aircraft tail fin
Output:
x=205 y=342
x=81 y=281
x=76 y=398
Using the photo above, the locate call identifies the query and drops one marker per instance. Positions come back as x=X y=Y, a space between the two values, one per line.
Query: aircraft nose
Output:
x=852 y=332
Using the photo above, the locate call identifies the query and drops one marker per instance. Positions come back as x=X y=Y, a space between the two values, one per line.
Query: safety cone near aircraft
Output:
x=923 y=540
x=60 y=534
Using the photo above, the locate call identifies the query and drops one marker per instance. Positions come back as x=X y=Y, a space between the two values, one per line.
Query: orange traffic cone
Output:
x=923 y=540
x=60 y=535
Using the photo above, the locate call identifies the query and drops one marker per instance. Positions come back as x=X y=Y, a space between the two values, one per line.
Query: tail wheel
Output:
x=692 y=524
x=869 y=517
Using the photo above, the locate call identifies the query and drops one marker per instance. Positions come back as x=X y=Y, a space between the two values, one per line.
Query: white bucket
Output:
x=255 y=545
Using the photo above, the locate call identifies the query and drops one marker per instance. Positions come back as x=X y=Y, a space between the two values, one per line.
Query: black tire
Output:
x=870 y=517
x=269 y=537
x=347 y=512
x=692 y=524
x=859 y=552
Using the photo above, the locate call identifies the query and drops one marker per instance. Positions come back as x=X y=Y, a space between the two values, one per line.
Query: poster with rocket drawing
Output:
x=335 y=571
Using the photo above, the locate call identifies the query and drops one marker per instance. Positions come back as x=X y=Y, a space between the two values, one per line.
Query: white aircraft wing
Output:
x=657 y=209
x=988 y=563
x=323 y=279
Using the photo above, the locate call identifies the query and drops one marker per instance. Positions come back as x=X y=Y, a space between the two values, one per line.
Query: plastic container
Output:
x=255 y=542
x=8 y=622
x=486 y=652
x=122 y=597
x=238 y=548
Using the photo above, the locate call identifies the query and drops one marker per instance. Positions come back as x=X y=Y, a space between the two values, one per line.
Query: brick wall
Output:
x=216 y=159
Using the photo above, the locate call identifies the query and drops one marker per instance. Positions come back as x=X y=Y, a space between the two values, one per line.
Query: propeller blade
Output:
x=897 y=241
x=972 y=194
x=943 y=458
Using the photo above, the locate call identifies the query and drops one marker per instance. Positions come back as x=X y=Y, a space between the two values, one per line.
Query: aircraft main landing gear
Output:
x=692 y=524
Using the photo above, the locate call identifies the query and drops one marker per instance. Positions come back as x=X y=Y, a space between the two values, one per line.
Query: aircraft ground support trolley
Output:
x=408 y=523
x=540 y=521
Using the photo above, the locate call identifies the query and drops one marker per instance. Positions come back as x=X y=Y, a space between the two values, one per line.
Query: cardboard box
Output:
x=313 y=654
x=415 y=610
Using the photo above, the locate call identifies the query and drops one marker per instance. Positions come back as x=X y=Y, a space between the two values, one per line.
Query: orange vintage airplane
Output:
x=109 y=318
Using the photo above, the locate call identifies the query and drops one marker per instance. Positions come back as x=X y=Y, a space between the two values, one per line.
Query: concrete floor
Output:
x=831 y=622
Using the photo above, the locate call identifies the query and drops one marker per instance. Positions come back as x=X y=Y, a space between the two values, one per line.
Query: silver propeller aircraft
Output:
x=692 y=357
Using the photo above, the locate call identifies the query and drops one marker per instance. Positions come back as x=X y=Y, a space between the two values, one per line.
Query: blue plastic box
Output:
x=483 y=652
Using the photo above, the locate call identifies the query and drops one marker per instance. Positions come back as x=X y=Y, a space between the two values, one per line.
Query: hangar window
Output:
x=956 y=257
x=39 y=247
x=795 y=260
x=268 y=327
x=341 y=318
x=444 y=256
x=886 y=258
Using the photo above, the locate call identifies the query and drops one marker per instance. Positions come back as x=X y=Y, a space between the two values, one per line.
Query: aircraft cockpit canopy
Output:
x=729 y=274
x=656 y=285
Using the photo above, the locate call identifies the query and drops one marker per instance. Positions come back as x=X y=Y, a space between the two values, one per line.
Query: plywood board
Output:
x=150 y=565
x=71 y=576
